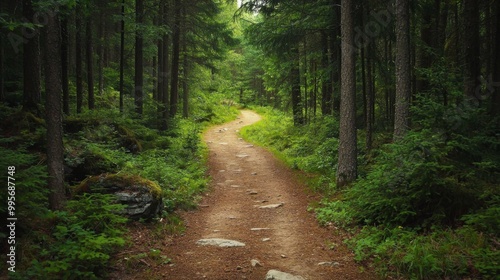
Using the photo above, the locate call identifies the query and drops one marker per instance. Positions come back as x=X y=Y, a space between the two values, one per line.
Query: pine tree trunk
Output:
x=100 y=68
x=2 y=80
x=174 y=87
x=53 y=88
x=185 y=85
x=471 y=49
x=347 y=153
x=31 y=65
x=64 y=64
x=78 y=62
x=495 y=104
x=139 y=60
x=122 y=53
x=298 y=118
x=90 y=65
x=403 y=75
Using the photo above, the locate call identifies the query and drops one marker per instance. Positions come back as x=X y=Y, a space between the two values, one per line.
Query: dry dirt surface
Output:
x=286 y=238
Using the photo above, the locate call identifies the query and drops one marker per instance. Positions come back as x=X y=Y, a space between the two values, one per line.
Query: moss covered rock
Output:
x=143 y=197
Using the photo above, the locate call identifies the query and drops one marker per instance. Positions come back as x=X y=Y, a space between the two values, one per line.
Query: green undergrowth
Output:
x=78 y=242
x=311 y=148
x=425 y=207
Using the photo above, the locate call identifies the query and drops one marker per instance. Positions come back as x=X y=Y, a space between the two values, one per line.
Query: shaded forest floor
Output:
x=244 y=178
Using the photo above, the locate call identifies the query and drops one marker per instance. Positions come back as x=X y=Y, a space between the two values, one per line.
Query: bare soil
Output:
x=244 y=177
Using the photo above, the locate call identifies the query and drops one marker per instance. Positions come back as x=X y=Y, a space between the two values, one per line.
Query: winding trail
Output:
x=245 y=177
x=286 y=238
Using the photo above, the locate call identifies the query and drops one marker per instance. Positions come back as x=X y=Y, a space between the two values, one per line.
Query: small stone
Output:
x=223 y=143
x=259 y=229
x=278 y=275
x=271 y=206
x=216 y=230
x=248 y=146
x=255 y=263
x=235 y=186
x=239 y=268
x=242 y=155
x=329 y=263
x=283 y=256
x=254 y=173
x=266 y=239
x=203 y=205
x=253 y=192
x=220 y=242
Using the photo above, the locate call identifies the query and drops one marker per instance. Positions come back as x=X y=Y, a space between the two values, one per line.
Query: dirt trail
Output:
x=245 y=177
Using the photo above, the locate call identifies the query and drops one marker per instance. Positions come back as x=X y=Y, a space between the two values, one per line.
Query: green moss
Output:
x=110 y=182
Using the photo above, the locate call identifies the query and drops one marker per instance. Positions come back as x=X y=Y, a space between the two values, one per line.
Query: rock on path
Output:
x=278 y=275
x=220 y=242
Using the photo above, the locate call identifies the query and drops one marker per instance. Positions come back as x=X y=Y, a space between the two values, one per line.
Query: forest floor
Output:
x=286 y=238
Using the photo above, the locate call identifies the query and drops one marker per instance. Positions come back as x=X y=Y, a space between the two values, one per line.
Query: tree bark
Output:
x=139 y=60
x=326 y=86
x=122 y=53
x=79 y=62
x=64 y=64
x=403 y=75
x=471 y=49
x=185 y=66
x=53 y=106
x=298 y=118
x=174 y=87
x=90 y=65
x=31 y=64
x=495 y=104
x=2 y=71
x=347 y=153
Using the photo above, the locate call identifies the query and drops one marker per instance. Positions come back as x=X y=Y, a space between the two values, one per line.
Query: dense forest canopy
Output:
x=393 y=105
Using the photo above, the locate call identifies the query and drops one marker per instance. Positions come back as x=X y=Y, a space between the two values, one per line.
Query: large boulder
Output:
x=142 y=196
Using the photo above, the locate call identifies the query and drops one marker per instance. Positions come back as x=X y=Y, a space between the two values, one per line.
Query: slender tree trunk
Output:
x=298 y=118
x=64 y=64
x=122 y=53
x=185 y=70
x=78 y=62
x=370 y=107
x=347 y=153
x=90 y=65
x=31 y=65
x=100 y=68
x=326 y=87
x=403 y=74
x=166 y=68
x=2 y=79
x=495 y=104
x=471 y=45
x=139 y=60
x=174 y=87
x=53 y=88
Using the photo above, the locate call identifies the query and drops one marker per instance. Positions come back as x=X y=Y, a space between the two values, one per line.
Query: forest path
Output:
x=286 y=238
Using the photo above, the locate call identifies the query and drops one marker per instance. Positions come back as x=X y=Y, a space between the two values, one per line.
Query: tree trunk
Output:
x=78 y=62
x=64 y=64
x=100 y=68
x=403 y=75
x=53 y=89
x=90 y=65
x=185 y=66
x=122 y=53
x=326 y=86
x=370 y=97
x=347 y=152
x=298 y=118
x=31 y=65
x=2 y=80
x=139 y=63
x=471 y=49
x=174 y=87
x=495 y=104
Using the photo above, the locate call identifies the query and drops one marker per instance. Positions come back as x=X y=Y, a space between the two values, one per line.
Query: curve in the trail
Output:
x=256 y=201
